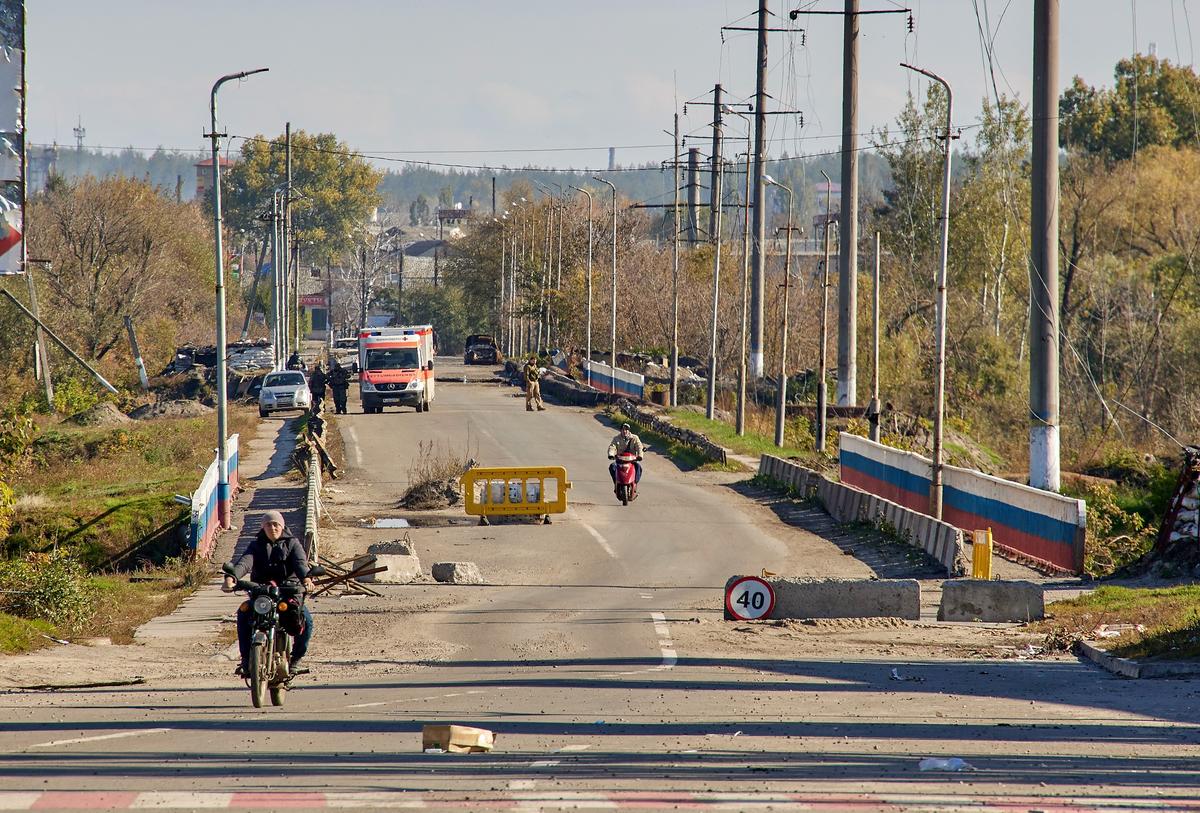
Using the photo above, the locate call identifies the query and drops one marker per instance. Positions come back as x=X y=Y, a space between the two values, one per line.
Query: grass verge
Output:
x=686 y=457
x=19 y=635
x=752 y=443
x=1168 y=618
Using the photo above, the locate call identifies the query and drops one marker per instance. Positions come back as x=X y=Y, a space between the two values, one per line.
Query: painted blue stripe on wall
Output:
x=1019 y=519
x=888 y=474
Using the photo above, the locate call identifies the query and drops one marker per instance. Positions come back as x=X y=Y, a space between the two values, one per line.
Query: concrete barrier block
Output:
x=457 y=573
x=401 y=569
x=398 y=547
x=844 y=598
x=978 y=600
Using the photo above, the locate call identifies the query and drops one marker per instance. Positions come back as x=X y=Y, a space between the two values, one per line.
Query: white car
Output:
x=286 y=389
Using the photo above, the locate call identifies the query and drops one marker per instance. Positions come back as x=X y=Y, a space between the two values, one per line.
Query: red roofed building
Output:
x=204 y=176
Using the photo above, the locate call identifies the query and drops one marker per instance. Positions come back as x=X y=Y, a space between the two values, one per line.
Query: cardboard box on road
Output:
x=457 y=739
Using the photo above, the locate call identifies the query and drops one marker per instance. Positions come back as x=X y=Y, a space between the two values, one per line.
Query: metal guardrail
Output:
x=508 y=491
x=312 y=506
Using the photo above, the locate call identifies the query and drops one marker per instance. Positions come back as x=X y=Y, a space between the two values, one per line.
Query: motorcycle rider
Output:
x=625 y=441
x=339 y=382
x=276 y=556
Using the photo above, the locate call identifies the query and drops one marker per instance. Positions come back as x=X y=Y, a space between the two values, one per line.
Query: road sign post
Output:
x=749 y=599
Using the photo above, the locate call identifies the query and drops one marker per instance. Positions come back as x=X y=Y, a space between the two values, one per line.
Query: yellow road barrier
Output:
x=981 y=558
x=500 y=491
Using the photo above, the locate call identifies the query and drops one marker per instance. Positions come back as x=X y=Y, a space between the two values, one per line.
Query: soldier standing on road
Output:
x=339 y=382
x=316 y=383
x=533 y=386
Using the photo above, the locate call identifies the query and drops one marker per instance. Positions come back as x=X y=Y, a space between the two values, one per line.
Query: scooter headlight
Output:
x=263 y=605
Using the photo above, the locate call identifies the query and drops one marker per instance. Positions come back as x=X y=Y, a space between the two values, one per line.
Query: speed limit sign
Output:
x=749 y=598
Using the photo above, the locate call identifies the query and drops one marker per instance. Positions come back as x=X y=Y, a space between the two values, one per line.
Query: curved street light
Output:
x=613 y=336
x=588 y=366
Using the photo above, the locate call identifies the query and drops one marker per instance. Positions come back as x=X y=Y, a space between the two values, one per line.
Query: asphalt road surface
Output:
x=597 y=654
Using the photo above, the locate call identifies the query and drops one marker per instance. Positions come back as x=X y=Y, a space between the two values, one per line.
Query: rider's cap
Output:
x=624 y=426
x=273 y=516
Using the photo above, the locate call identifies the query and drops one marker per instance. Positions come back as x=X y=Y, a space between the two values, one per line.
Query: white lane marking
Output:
x=119 y=735
x=600 y=539
x=646 y=596
x=18 y=800
x=354 y=446
x=669 y=659
x=665 y=644
x=413 y=699
x=545 y=763
x=181 y=800
x=567 y=748
x=366 y=705
x=376 y=800
x=522 y=784
x=660 y=625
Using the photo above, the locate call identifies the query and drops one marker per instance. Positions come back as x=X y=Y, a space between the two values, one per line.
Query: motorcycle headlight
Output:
x=263 y=605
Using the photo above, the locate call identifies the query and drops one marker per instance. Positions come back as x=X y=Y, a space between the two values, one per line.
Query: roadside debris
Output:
x=457 y=573
x=912 y=678
x=456 y=739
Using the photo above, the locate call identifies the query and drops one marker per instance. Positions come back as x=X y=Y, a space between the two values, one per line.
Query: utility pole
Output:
x=847 y=386
x=137 y=354
x=740 y=421
x=275 y=307
x=939 y=398
x=873 y=407
x=711 y=404
x=781 y=401
x=493 y=196
x=674 y=398
x=613 y=337
x=1043 y=267
x=223 y=494
x=693 y=195
x=822 y=361
x=588 y=331
x=714 y=194
x=760 y=224
x=365 y=289
x=41 y=357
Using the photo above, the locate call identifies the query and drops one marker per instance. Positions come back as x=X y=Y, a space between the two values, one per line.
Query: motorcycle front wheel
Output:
x=259 y=668
x=625 y=494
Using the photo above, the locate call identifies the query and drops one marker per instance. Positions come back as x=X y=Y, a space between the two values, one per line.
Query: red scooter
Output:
x=626 y=486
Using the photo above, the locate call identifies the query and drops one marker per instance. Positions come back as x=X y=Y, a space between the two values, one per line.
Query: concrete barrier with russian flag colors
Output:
x=1046 y=528
x=609 y=379
x=204 y=523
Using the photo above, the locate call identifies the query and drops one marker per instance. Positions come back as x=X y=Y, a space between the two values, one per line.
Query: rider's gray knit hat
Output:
x=273 y=516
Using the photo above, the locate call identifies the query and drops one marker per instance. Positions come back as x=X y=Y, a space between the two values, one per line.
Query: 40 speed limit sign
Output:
x=749 y=599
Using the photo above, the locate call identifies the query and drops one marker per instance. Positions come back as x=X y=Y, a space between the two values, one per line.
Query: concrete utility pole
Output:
x=674 y=399
x=1043 y=267
x=781 y=400
x=873 y=407
x=822 y=361
x=66 y=348
x=613 y=336
x=760 y=223
x=847 y=383
x=42 y=357
x=137 y=354
x=939 y=405
x=693 y=194
x=222 y=417
x=710 y=409
x=588 y=283
x=714 y=198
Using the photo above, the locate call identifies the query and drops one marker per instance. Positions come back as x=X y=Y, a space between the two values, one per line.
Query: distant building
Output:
x=204 y=176
x=42 y=164
x=824 y=216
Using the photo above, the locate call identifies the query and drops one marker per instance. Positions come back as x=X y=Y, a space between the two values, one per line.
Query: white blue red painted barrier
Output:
x=1039 y=525
x=205 y=524
x=608 y=379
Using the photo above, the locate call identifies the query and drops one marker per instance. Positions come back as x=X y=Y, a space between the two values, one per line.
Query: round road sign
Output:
x=749 y=598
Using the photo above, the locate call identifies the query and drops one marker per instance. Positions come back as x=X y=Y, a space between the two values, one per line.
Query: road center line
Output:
x=600 y=539
x=354 y=446
x=117 y=736
x=568 y=748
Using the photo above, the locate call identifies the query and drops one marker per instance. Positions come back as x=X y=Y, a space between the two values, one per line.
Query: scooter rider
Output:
x=274 y=556
x=624 y=442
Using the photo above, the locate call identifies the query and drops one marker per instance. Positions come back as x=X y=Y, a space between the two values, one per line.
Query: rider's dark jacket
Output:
x=280 y=561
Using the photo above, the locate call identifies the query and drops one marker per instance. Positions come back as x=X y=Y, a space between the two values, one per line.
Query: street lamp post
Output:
x=935 y=485
x=781 y=402
x=613 y=335
x=588 y=364
x=822 y=390
x=222 y=417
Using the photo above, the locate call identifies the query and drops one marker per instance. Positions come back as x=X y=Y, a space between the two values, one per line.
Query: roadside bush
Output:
x=72 y=395
x=47 y=587
x=1115 y=537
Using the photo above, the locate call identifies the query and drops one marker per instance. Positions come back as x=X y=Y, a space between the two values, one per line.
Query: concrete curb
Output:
x=1127 y=667
x=840 y=598
x=846 y=503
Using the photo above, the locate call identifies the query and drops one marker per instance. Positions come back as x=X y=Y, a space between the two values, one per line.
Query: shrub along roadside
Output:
x=1168 y=616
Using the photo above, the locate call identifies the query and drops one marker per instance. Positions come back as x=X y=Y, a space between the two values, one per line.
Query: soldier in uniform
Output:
x=339 y=382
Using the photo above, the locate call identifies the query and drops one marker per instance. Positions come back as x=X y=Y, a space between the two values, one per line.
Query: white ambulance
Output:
x=395 y=367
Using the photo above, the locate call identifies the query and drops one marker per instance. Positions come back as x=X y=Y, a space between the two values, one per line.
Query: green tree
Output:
x=1152 y=103
x=337 y=190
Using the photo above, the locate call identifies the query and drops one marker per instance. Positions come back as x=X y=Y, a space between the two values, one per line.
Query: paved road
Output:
x=597 y=655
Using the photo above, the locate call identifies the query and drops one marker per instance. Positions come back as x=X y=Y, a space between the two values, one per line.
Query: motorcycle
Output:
x=626 y=485
x=275 y=608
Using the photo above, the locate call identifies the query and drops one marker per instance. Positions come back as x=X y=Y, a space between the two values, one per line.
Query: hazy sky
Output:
x=528 y=76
